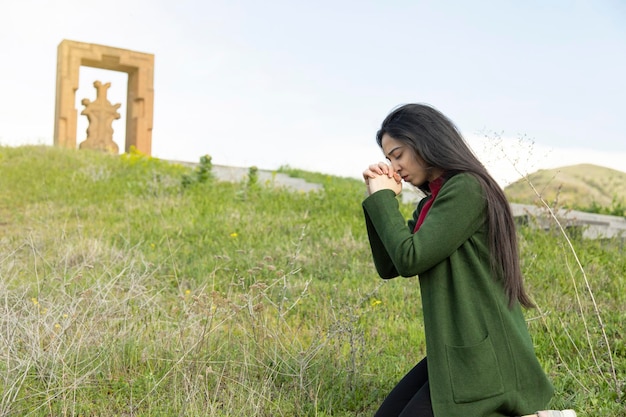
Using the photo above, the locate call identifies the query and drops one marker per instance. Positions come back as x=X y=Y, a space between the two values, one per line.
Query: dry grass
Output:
x=572 y=186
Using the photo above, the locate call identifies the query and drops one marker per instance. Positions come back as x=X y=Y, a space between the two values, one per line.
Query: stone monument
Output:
x=100 y=114
x=140 y=93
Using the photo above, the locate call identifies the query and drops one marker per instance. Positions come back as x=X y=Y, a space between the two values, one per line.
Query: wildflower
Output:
x=375 y=302
x=57 y=326
x=187 y=292
x=234 y=234
x=34 y=300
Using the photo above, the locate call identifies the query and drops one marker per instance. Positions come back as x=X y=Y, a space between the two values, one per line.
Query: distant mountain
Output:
x=576 y=186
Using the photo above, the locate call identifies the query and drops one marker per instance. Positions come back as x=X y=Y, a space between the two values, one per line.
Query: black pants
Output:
x=411 y=397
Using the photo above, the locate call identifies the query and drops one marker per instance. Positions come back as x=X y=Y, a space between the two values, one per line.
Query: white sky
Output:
x=307 y=83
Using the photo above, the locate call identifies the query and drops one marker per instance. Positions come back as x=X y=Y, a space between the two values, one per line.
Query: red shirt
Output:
x=434 y=186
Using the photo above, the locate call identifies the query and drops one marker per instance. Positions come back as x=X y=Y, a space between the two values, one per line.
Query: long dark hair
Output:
x=436 y=139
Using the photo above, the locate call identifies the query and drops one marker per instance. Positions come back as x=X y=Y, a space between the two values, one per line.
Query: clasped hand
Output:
x=381 y=176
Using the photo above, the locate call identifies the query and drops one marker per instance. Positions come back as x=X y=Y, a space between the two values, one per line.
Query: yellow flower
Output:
x=375 y=302
x=57 y=326
x=187 y=292
x=34 y=300
x=234 y=234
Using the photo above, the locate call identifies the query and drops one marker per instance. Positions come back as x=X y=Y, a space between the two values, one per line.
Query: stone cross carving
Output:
x=100 y=114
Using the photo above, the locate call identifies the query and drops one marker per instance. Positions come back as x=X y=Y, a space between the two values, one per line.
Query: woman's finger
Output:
x=380 y=168
x=368 y=173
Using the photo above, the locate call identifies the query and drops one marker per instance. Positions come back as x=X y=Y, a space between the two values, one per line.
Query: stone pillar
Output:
x=140 y=95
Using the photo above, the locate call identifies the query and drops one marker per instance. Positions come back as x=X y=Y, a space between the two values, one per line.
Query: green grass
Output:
x=125 y=293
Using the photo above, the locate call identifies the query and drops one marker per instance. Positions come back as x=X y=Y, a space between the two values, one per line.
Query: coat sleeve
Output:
x=456 y=214
x=382 y=261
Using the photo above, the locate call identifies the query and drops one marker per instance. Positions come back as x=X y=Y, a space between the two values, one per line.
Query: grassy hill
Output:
x=132 y=286
x=585 y=186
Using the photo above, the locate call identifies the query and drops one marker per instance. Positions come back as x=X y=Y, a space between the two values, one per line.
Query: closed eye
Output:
x=395 y=153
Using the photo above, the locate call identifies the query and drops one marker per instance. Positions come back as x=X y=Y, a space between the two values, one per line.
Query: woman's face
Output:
x=408 y=164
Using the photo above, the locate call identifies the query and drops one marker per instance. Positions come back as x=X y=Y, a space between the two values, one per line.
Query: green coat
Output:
x=481 y=360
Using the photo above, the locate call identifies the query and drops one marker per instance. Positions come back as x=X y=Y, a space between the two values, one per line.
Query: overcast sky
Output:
x=307 y=83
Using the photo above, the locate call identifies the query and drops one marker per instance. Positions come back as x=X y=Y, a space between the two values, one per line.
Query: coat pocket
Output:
x=474 y=372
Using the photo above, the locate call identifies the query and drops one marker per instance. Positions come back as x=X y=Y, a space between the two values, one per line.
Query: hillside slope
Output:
x=133 y=286
x=576 y=186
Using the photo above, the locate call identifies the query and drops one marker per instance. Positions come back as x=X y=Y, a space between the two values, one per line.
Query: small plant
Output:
x=253 y=177
x=203 y=172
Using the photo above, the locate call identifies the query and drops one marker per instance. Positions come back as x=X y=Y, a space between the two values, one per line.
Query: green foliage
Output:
x=253 y=177
x=616 y=208
x=202 y=173
x=127 y=292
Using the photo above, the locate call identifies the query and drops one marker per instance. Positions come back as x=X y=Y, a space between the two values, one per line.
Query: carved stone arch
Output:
x=139 y=98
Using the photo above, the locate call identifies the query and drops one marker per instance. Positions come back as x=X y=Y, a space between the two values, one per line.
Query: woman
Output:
x=461 y=243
